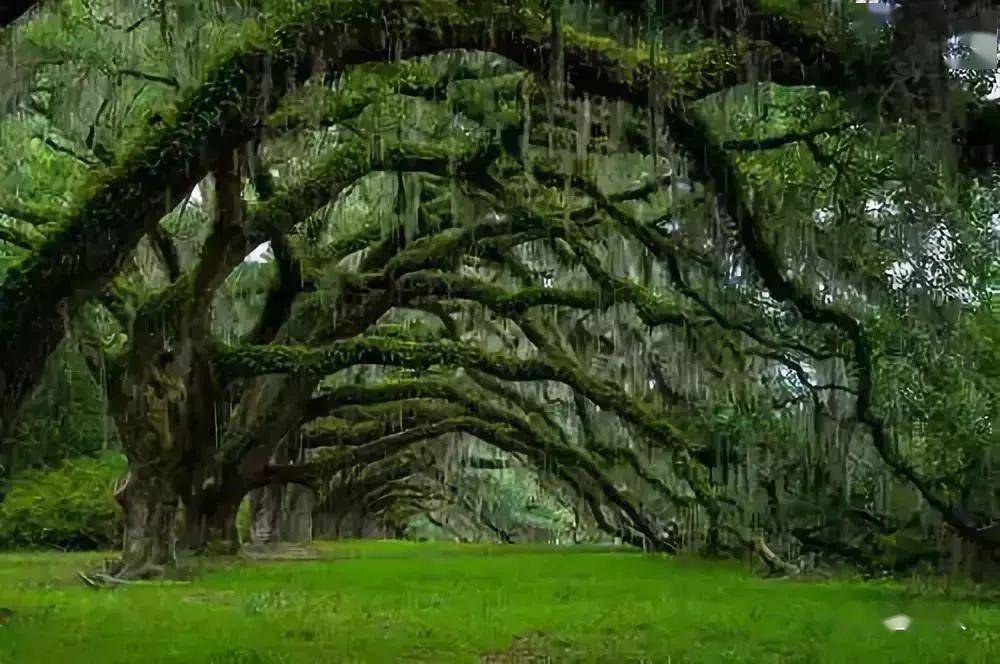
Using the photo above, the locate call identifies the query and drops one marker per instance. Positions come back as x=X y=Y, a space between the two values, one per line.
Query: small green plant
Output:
x=259 y=603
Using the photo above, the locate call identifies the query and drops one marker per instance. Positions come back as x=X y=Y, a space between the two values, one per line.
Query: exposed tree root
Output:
x=775 y=564
x=100 y=580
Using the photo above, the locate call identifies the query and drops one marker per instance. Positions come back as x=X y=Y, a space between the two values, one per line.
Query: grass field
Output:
x=400 y=601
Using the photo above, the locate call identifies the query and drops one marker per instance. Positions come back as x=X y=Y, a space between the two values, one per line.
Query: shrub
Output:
x=70 y=507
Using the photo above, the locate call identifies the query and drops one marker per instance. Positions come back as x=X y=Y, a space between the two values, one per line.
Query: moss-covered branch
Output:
x=652 y=310
x=508 y=434
x=367 y=423
x=77 y=260
x=330 y=461
x=250 y=361
x=281 y=295
x=709 y=162
x=19 y=233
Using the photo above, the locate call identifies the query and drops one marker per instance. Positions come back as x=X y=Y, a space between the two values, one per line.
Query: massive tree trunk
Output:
x=210 y=523
x=265 y=514
x=154 y=442
x=211 y=503
x=296 y=514
x=350 y=520
x=148 y=497
x=167 y=397
x=159 y=424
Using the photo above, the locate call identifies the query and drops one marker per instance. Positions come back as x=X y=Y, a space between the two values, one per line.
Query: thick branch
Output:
x=708 y=161
x=255 y=360
x=76 y=262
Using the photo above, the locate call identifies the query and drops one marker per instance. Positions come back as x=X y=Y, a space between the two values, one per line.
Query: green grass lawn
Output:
x=400 y=601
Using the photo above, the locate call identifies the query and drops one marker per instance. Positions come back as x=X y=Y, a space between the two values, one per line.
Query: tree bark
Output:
x=296 y=514
x=265 y=513
x=149 y=500
x=154 y=444
x=210 y=524
x=774 y=564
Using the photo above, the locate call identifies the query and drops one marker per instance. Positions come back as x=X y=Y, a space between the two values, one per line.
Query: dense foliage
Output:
x=67 y=508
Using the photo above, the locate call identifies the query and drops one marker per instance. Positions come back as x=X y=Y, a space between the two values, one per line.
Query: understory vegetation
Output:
x=69 y=507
